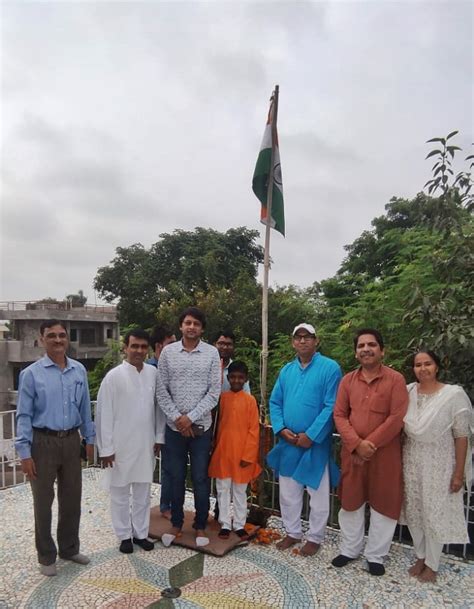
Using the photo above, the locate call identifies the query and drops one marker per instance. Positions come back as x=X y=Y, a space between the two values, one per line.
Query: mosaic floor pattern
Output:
x=251 y=577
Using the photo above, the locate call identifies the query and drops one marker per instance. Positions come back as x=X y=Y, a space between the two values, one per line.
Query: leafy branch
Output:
x=443 y=178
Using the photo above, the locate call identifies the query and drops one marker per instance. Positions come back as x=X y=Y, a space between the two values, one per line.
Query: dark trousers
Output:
x=166 y=485
x=176 y=449
x=56 y=459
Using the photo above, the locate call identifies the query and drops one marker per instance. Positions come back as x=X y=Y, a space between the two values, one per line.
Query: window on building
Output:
x=73 y=335
x=109 y=333
x=88 y=336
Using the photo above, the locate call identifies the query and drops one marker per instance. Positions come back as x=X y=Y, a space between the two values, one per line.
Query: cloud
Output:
x=122 y=121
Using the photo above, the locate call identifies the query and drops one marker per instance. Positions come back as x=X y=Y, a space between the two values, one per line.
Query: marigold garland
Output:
x=266 y=536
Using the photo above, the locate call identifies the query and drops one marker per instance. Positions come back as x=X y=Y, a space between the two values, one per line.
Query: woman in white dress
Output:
x=436 y=461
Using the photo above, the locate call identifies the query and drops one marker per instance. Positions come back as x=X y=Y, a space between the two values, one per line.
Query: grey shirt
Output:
x=188 y=382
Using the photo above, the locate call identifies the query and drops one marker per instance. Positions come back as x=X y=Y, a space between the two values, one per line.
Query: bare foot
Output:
x=428 y=576
x=166 y=514
x=417 y=568
x=287 y=542
x=310 y=548
x=176 y=531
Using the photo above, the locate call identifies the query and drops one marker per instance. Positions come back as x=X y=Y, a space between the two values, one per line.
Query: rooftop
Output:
x=60 y=309
x=250 y=577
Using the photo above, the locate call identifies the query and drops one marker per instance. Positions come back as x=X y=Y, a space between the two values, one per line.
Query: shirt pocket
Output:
x=379 y=412
x=76 y=392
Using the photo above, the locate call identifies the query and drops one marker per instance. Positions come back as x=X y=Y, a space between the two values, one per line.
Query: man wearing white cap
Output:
x=301 y=409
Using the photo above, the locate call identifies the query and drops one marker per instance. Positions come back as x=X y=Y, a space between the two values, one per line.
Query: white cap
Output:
x=308 y=327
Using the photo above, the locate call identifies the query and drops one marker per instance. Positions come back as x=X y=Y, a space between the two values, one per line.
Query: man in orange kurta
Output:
x=370 y=406
x=234 y=462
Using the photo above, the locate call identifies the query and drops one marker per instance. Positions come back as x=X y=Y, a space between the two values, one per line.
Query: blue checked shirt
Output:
x=188 y=382
x=53 y=398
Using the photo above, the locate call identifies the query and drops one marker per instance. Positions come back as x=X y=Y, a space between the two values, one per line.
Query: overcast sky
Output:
x=124 y=120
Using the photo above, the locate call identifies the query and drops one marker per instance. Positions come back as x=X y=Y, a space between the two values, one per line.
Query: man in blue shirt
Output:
x=53 y=405
x=301 y=408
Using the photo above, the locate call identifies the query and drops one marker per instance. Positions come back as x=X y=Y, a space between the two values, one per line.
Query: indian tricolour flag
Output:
x=261 y=177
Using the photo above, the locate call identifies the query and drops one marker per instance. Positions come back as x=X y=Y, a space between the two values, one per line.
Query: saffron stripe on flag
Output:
x=261 y=177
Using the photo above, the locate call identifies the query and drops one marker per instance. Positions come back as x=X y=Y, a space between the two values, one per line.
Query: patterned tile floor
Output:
x=251 y=577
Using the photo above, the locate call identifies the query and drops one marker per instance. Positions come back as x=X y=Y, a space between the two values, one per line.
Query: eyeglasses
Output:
x=300 y=337
x=223 y=344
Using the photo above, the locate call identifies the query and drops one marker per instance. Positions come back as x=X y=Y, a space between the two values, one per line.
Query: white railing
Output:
x=10 y=465
x=10 y=469
x=59 y=305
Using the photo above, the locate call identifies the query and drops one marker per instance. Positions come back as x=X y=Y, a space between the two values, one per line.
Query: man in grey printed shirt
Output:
x=188 y=388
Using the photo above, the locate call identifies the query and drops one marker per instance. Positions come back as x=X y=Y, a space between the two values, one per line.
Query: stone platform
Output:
x=251 y=577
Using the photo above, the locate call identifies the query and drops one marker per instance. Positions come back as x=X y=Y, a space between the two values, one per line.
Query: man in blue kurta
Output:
x=301 y=408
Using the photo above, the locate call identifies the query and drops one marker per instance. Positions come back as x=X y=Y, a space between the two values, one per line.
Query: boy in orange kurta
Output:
x=234 y=462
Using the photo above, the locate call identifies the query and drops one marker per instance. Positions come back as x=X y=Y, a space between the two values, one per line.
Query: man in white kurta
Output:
x=130 y=430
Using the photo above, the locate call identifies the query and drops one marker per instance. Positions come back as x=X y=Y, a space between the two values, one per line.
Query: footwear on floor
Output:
x=48 y=570
x=145 y=544
x=167 y=539
x=242 y=533
x=224 y=534
x=126 y=546
x=80 y=559
x=341 y=561
x=375 y=568
x=202 y=541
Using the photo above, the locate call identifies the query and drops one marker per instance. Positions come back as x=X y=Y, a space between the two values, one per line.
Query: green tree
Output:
x=446 y=313
x=410 y=276
x=289 y=306
x=177 y=270
x=77 y=300
x=130 y=280
x=214 y=271
x=109 y=361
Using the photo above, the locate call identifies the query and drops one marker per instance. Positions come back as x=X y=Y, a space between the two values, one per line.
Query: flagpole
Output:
x=266 y=258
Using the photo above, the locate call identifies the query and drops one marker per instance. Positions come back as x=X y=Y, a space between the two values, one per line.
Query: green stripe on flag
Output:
x=260 y=183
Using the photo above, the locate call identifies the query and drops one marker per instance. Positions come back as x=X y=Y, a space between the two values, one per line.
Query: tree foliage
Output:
x=411 y=276
x=77 y=300
x=109 y=361
x=214 y=271
x=179 y=268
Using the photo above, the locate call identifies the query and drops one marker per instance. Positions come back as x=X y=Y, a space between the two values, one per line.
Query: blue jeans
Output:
x=166 y=487
x=176 y=450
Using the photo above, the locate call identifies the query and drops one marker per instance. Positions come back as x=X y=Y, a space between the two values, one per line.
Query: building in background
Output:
x=91 y=329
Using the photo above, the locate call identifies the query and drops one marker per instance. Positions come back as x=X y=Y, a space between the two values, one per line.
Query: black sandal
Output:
x=242 y=533
x=224 y=534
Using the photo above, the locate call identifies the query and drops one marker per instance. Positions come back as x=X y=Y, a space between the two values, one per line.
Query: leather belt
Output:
x=63 y=433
